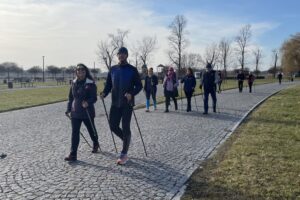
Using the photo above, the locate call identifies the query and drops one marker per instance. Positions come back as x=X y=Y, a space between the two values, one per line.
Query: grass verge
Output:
x=261 y=160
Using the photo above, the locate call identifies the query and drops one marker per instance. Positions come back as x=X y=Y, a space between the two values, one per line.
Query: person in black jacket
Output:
x=123 y=81
x=82 y=97
x=150 y=88
x=279 y=76
x=189 y=86
x=240 y=77
x=220 y=81
x=209 y=81
x=251 y=79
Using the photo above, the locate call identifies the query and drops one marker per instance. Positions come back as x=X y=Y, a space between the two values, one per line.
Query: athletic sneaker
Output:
x=147 y=110
x=122 y=160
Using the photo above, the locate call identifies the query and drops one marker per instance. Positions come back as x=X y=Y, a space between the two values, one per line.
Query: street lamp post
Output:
x=43 y=69
x=94 y=71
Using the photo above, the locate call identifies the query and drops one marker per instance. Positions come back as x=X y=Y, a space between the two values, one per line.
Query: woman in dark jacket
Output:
x=150 y=88
x=82 y=97
x=189 y=85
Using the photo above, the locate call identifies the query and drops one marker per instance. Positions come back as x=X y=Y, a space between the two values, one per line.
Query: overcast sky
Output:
x=67 y=32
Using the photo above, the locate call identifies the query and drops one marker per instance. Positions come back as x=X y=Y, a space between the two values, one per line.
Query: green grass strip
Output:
x=261 y=160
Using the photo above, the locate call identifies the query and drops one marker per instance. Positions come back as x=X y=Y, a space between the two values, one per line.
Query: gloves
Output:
x=102 y=95
x=67 y=113
x=200 y=87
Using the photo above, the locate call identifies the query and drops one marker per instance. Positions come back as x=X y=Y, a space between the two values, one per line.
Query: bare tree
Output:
x=192 y=60
x=242 y=40
x=107 y=49
x=135 y=55
x=146 y=47
x=212 y=54
x=225 y=51
x=177 y=40
x=275 y=59
x=258 y=55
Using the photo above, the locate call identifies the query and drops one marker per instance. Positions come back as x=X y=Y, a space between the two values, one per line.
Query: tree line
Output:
x=228 y=52
x=10 y=67
x=234 y=52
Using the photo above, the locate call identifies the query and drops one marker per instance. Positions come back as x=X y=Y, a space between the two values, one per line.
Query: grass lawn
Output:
x=260 y=160
x=17 y=99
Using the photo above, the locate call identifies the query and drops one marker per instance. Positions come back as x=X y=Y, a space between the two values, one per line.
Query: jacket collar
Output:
x=87 y=81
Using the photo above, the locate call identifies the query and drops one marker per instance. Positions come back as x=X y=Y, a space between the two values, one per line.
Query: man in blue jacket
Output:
x=123 y=81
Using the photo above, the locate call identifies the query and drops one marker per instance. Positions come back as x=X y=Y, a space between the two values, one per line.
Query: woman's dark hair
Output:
x=87 y=71
x=191 y=70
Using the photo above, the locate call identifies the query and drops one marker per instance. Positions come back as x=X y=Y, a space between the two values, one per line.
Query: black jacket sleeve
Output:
x=71 y=98
x=155 y=80
x=145 y=83
x=194 y=82
x=108 y=84
x=137 y=84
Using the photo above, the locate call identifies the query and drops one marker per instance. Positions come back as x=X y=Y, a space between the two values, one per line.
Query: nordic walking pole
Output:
x=109 y=124
x=94 y=130
x=181 y=95
x=217 y=107
x=195 y=102
x=137 y=124
x=81 y=133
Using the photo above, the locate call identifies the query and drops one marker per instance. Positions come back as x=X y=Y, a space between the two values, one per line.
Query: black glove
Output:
x=200 y=87
x=102 y=95
x=67 y=113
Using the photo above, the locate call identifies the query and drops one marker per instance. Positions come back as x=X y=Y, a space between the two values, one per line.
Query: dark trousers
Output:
x=240 y=83
x=279 y=80
x=188 y=95
x=151 y=93
x=250 y=86
x=212 y=92
x=115 y=116
x=76 y=124
x=169 y=95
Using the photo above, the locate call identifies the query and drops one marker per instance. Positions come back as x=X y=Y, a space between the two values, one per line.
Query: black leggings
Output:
x=76 y=124
x=115 y=116
x=240 y=83
x=188 y=95
x=169 y=95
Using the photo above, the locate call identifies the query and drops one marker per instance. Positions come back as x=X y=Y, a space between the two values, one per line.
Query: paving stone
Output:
x=36 y=141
